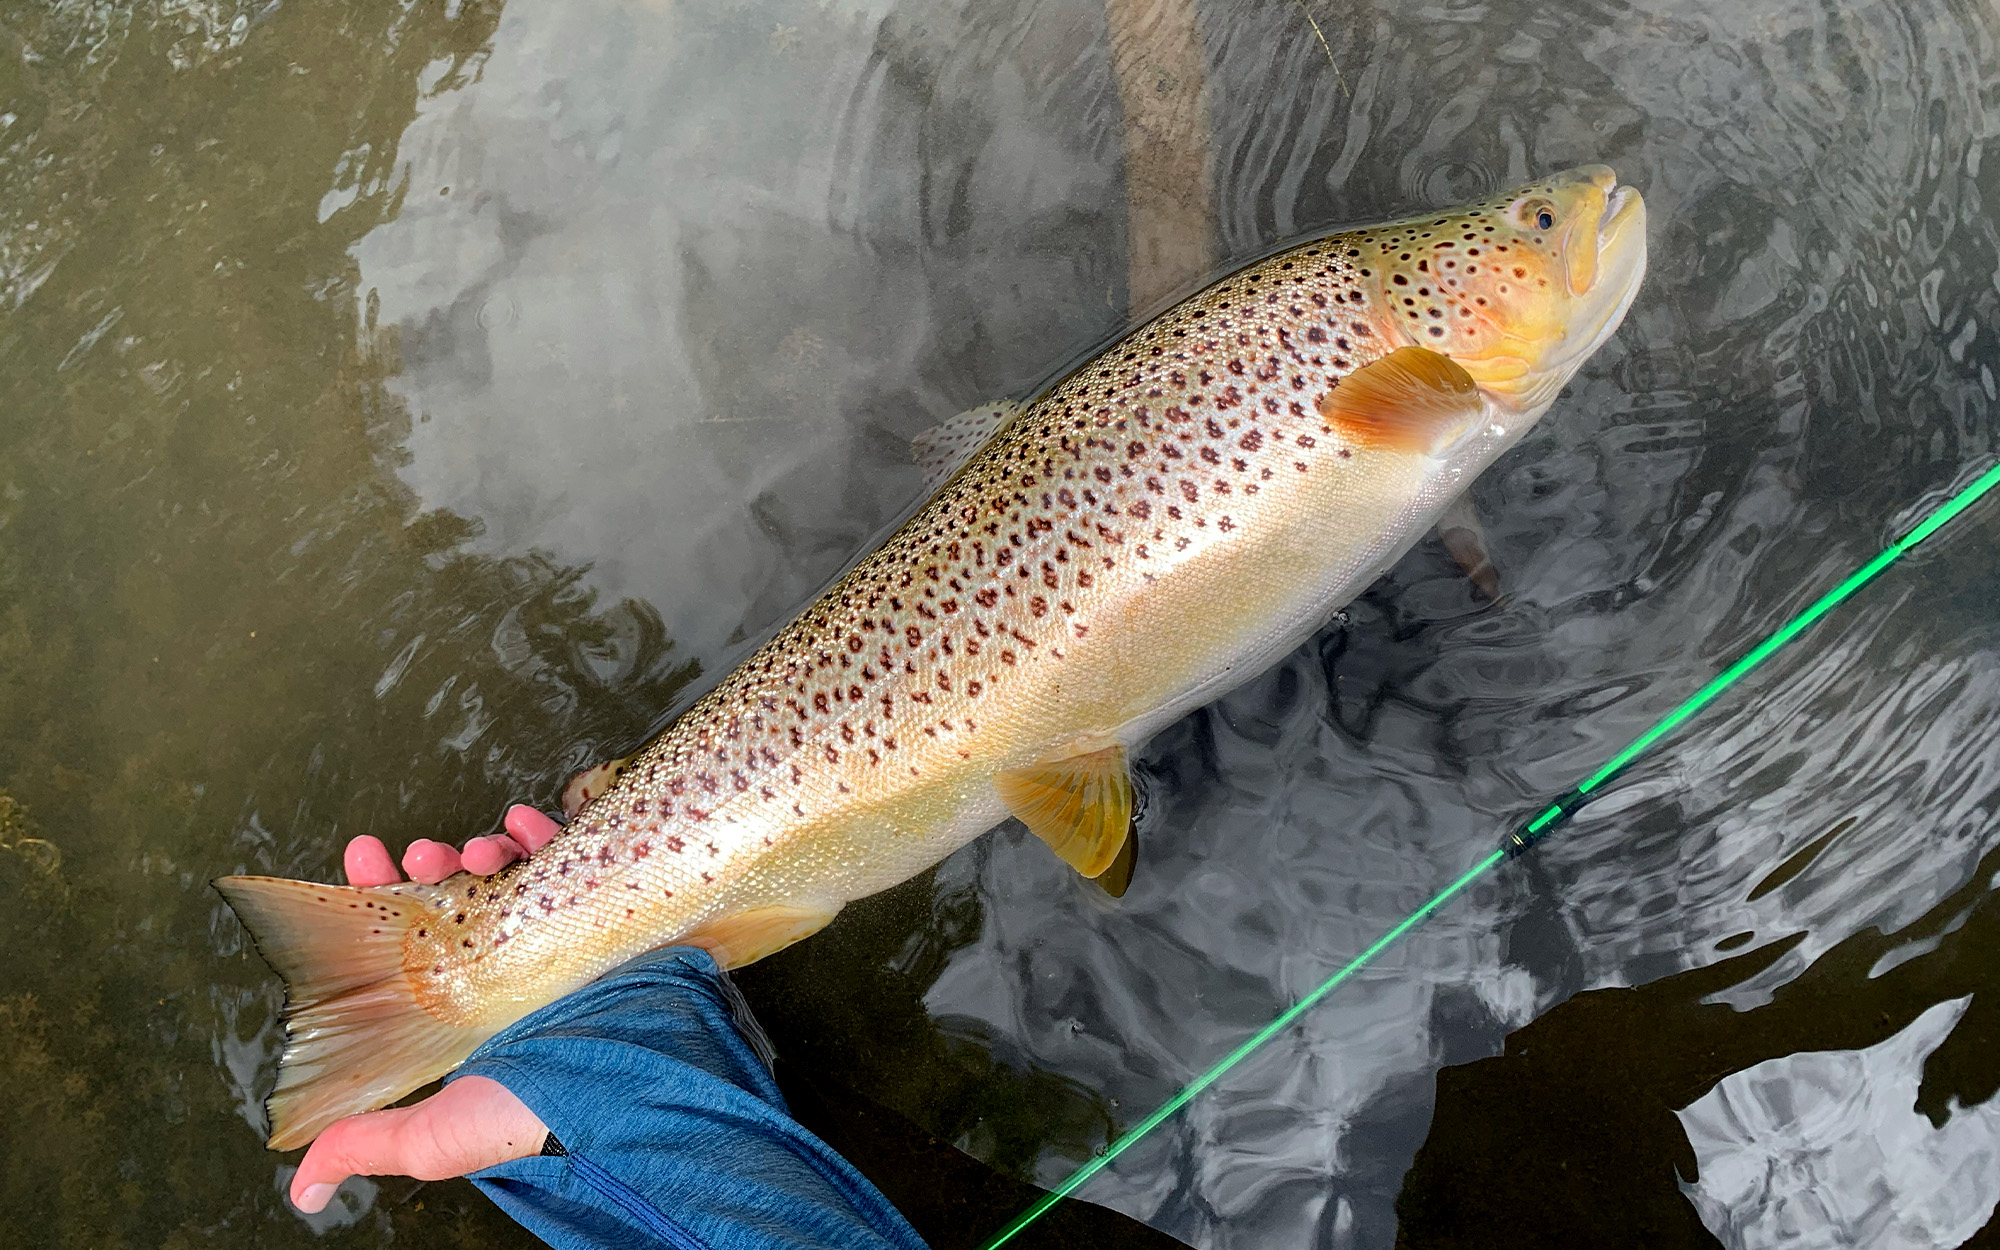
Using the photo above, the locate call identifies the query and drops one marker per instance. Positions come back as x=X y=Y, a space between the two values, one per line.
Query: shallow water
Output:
x=406 y=407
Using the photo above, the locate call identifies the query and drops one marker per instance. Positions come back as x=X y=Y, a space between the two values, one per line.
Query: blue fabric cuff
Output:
x=676 y=1132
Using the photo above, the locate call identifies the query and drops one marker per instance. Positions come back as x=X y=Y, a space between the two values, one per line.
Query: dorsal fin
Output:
x=939 y=450
x=1413 y=401
x=1081 y=806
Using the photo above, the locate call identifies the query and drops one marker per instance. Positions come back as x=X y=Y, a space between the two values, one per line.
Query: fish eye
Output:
x=1537 y=211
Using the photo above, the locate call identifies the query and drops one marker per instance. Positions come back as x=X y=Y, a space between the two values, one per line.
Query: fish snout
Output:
x=1604 y=257
x=1602 y=177
x=1580 y=237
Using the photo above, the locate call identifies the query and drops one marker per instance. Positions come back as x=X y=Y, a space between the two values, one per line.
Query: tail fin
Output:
x=355 y=1036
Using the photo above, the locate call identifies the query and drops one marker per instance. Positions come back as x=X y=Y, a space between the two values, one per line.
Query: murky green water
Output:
x=402 y=407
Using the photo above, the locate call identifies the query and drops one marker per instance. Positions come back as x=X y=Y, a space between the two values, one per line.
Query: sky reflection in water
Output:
x=445 y=397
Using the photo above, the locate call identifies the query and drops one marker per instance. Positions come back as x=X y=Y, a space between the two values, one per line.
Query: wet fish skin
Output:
x=1156 y=528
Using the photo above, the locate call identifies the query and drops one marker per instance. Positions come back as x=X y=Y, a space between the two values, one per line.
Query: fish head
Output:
x=1518 y=289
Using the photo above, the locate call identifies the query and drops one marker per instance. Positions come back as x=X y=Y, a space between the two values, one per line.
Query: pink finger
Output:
x=364 y=1144
x=367 y=862
x=473 y=1123
x=489 y=855
x=430 y=862
x=531 y=828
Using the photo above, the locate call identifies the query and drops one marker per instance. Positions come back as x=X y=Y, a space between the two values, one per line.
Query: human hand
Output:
x=367 y=860
x=474 y=1122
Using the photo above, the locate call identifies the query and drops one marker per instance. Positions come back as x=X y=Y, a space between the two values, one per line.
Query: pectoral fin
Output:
x=1081 y=806
x=1465 y=538
x=1413 y=401
x=939 y=450
x=748 y=936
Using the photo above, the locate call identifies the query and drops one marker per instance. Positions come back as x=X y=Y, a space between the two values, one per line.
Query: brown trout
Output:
x=1154 y=529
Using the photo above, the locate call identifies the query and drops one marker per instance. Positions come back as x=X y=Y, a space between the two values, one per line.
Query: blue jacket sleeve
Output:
x=676 y=1133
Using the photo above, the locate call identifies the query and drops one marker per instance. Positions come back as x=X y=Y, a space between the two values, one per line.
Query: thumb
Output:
x=473 y=1123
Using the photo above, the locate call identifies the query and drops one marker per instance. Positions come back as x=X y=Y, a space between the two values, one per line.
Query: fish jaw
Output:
x=1593 y=266
x=1616 y=239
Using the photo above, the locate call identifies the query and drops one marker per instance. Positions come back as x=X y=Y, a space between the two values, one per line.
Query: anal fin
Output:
x=1117 y=879
x=748 y=936
x=1080 y=805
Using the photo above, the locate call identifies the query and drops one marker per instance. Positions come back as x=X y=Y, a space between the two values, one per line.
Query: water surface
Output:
x=402 y=408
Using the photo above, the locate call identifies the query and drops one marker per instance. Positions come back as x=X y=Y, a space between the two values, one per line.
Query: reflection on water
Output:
x=1831 y=1141
x=1635 y=1100
x=405 y=408
x=673 y=288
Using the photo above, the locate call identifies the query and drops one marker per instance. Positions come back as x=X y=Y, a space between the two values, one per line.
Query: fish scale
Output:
x=1155 y=528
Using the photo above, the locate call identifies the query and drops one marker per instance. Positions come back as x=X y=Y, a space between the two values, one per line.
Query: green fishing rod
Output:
x=1516 y=843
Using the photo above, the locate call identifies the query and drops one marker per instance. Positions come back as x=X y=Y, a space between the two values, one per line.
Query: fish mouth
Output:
x=1620 y=268
x=1605 y=261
